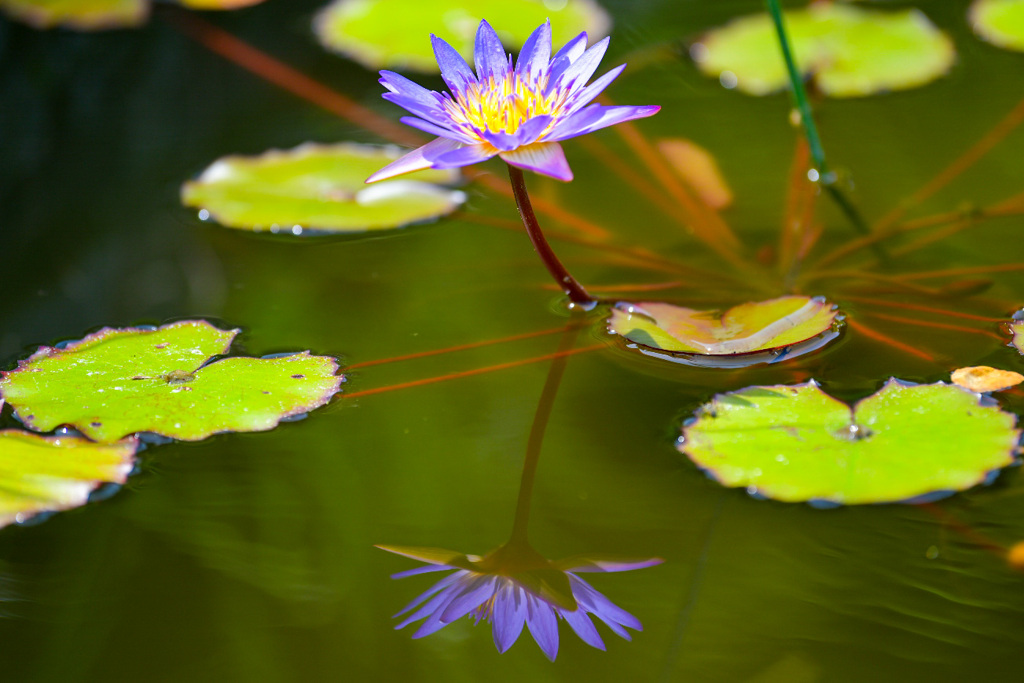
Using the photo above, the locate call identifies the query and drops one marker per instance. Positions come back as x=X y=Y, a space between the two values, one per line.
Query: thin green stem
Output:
x=573 y=289
x=803 y=105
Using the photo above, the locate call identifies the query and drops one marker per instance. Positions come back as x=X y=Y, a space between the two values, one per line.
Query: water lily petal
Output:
x=434 y=129
x=587 y=95
x=397 y=83
x=596 y=564
x=416 y=160
x=536 y=52
x=584 y=627
x=464 y=156
x=509 y=615
x=454 y=70
x=603 y=608
x=488 y=53
x=597 y=116
x=543 y=625
x=503 y=142
x=532 y=129
x=546 y=158
x=431 y=112
x=474 y=594
x=580 y=71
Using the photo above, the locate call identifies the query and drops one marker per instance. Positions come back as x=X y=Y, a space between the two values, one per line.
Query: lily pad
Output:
x=319 y=187
x=393 y=33
x=848 y=51
x=45 y=473
x=1000 y=22
x=764 y=331
x=82 y=15
x=122 y=381
x=796 y=443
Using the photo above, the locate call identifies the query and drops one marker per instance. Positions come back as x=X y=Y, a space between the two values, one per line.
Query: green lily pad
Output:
x=122 y=381
x=82 y=15
x=319 y=187
x=764 y=331
x=1000 y=22
x=45 y=473
x=393 y=33
x=848 y=51
x=796 y=443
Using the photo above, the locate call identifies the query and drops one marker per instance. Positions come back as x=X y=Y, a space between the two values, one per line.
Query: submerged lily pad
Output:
x=849 y=51
x=393 y=33
x=796 y=443
x=121 y=381
x=1000 y=22
x=764 y=331
x=319 y=187
x=45 y=473
x=83 y=15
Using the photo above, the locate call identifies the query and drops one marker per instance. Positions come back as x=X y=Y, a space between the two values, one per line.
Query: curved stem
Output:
x=573 y=289
x=540 y=423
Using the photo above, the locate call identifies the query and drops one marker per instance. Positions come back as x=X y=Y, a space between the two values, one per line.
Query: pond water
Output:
x=250 y=557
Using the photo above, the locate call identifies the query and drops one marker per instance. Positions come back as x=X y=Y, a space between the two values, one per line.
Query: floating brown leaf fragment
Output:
x=697 y=168
x=1015 y=555
x=984 y=379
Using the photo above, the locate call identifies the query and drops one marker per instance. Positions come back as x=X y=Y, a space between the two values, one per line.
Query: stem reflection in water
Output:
x=515 y=585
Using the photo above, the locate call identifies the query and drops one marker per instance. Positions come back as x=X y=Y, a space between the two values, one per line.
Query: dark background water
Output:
x=250 y=556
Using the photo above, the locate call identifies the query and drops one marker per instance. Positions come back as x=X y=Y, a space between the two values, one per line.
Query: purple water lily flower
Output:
x=512 y=587
x=519 y=112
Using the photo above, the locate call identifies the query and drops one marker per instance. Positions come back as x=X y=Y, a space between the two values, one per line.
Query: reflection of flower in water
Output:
x=513 y=586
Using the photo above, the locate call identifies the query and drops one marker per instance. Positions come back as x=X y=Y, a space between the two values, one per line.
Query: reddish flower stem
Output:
x=573 y=289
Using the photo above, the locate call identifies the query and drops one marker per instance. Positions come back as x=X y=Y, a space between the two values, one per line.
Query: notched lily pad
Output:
x=754 y=332
x=392 y=33
x=319 y=187
x=796 y=443
x=47 y=473
x=82 y=15
x=848 y=51
x=1000 y=22
x=118 y=382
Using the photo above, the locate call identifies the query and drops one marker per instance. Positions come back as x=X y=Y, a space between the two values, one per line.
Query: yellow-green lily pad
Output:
x=320 y=188
x=763 y=331
x=82 y=15
x=117 y=382
x=94 y=15
x=392 y=33
x=848 y=51
x=48 y=473
x=1000 y=22
x=797 y=443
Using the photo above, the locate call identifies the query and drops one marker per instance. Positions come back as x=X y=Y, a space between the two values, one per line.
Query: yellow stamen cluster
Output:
x=502 y=105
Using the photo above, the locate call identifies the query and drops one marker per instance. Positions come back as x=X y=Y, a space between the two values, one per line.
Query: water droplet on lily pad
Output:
x=848 y=51
x=117 y=382
x=47 y=473
x=319 y=187
x=754 y=332
x=1000 y=22
x=902 y=443
x=394 y=33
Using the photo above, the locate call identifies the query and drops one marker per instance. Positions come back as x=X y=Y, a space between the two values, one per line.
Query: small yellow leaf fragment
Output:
x=1015 y=555
x=984 y=379
x=697 y=168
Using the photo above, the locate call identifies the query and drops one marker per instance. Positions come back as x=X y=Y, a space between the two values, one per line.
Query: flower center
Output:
x=502 y=105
